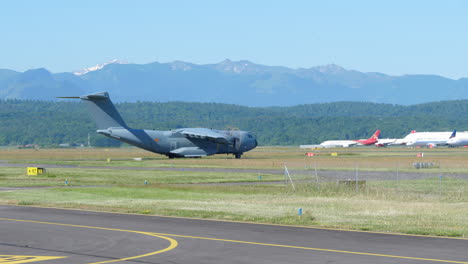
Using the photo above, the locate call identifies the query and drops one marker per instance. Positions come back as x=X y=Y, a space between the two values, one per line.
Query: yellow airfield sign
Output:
x=14 y=259
x=34 y=171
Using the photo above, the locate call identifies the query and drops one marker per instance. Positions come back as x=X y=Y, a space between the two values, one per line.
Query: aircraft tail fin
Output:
x=376 y=135
x=454 y=134
x=102 y=110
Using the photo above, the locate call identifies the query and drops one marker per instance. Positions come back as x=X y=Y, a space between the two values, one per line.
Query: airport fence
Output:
x=414 y=179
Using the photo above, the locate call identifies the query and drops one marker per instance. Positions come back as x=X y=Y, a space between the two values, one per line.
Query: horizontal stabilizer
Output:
x=96 y=96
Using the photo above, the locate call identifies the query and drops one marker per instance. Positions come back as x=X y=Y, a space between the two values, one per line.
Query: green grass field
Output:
x=428 y=206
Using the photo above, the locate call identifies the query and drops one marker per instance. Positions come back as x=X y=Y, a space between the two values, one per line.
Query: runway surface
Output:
x=94 y=237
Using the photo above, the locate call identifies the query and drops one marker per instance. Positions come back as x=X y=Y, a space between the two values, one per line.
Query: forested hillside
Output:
x=53 y=123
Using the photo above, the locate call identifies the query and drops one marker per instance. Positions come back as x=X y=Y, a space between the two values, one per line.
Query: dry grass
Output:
x=409 y=206
x=450 y=160
x=268 y=205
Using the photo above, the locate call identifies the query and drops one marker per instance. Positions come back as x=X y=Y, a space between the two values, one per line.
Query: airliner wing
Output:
x=205 y=133
x=347 y=145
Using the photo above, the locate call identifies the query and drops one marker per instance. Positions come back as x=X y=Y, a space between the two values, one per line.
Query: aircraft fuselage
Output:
x=174 y=144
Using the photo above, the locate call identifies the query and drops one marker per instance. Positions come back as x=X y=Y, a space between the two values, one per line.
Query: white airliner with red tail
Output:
x=348 y=143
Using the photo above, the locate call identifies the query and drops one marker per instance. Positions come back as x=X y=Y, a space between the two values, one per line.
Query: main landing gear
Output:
x=238 y=155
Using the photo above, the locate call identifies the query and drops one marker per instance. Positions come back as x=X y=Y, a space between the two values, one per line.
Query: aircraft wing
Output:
x=206 y=133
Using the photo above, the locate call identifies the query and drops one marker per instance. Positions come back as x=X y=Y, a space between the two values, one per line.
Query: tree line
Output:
x=52 y=123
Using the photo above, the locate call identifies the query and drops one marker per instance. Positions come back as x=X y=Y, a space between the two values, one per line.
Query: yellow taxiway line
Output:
x=173 y=242
x=15 y=259
x=317 y=249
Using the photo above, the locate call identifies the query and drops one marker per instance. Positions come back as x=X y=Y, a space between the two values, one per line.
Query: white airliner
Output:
x=429 y=139
x=383 y=142
x=338 y=143
x=458 y=139
x=349 y=143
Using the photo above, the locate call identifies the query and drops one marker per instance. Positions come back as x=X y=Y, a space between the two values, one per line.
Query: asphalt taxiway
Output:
x=49 y=235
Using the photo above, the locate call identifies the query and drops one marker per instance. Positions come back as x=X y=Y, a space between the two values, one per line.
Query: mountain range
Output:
x=233 y=82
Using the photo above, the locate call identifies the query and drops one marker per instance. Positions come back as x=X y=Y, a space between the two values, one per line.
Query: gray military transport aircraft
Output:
x=177 y=143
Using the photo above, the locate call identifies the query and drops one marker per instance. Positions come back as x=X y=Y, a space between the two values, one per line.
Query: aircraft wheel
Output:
x=238 y=155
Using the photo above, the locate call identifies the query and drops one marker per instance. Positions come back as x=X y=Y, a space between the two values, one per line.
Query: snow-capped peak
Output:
x=99 y=66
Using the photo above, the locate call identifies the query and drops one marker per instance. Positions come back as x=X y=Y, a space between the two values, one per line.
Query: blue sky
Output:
x=393 y=37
